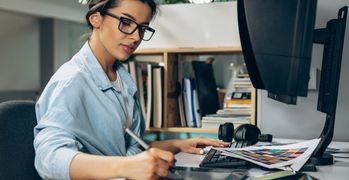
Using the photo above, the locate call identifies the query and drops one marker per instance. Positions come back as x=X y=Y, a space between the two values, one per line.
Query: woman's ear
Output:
x=95 y=19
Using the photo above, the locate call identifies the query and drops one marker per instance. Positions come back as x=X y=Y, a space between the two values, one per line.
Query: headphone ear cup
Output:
x=246 y=134
x=220 y=136
x=225 y=132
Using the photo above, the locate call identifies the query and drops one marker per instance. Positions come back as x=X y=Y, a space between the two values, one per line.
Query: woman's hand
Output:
x=150 y=164
x=195 y=145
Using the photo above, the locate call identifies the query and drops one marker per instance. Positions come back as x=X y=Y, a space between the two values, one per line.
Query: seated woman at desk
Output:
x=87 y=103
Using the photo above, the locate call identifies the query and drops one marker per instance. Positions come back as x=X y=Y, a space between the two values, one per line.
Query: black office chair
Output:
x=17 y=120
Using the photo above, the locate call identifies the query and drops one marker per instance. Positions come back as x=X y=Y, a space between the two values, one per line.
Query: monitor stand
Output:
x=332 y=37
x=309 y=167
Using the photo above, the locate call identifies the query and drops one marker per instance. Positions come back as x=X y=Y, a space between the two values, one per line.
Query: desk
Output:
x=339 y=170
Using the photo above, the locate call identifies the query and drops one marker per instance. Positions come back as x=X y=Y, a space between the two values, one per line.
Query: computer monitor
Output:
x=277 y=38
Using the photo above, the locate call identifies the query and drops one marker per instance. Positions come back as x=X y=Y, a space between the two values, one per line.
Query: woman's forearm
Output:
x=193 y=145
x=86 y=166
x=151 y=164
x=168 y=145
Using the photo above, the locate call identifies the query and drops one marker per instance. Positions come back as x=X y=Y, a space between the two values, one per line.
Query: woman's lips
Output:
x=128 y=49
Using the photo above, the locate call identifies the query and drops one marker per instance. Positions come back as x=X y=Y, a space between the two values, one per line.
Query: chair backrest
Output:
x=17 y=121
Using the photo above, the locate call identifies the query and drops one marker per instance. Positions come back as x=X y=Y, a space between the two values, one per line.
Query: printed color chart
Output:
x=270 y=156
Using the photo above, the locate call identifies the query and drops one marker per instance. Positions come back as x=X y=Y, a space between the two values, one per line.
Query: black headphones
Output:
x=244 y=135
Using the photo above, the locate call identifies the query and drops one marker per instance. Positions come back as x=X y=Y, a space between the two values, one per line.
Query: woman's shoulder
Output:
x=70 y=74
x=66 y=84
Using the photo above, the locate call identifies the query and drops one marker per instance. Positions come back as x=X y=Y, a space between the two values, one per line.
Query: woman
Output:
x=87 y=103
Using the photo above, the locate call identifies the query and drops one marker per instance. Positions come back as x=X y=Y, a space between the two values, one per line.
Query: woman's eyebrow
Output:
x=131 y=17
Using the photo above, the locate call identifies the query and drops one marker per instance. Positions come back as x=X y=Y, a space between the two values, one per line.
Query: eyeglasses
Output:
x=128 y=26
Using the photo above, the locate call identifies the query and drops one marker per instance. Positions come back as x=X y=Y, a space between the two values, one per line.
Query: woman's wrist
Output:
x=121 y=166
x=178 y=144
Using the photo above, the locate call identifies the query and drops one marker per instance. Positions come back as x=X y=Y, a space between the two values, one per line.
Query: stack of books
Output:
x=149 y=78
x=237 y=105
x=240 y=96
x=214 y=120
x=238 y=100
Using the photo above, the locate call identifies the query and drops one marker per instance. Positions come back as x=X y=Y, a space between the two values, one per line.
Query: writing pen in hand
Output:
x=138 y=139
x=141 y=142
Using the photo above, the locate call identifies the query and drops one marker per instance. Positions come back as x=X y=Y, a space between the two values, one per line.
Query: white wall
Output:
x=195 y=25
x=19 y=45
x=19 y=50
x=69 y=10
x=303 y=120
x=68 y=40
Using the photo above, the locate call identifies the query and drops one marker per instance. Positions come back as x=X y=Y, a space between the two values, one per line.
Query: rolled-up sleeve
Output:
x=55 y=146
x=55 y=150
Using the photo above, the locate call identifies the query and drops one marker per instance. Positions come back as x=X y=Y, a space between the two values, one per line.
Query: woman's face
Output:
x=116 y=43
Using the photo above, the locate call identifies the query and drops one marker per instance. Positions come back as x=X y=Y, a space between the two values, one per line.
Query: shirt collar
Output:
x=91 y=63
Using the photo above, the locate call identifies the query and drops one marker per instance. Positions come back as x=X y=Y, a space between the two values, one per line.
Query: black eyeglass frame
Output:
x=139 y=26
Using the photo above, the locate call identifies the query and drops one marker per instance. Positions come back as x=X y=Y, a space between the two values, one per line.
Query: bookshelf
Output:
x=170 y=59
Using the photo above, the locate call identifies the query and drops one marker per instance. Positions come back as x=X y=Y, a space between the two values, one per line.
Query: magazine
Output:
x=285 y=157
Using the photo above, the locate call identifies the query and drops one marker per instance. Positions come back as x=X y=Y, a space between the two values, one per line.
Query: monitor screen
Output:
x=276 y=39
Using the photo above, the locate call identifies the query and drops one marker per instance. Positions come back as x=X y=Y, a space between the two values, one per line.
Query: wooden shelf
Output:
x=171 y=57
x=184 y=130
x=188 y=50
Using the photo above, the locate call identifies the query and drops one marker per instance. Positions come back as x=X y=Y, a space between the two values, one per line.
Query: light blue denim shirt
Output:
x=81 y=111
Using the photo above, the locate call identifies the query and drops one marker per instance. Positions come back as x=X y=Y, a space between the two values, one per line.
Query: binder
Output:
x=206 y=87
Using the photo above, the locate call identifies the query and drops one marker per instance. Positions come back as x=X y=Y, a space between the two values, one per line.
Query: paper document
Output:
x=285 y=157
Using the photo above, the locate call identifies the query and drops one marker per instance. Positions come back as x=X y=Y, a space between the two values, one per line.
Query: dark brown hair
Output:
x=104 y=5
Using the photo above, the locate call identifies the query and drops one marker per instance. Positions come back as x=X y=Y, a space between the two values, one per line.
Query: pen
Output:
x=142 y=143
x=136 y=138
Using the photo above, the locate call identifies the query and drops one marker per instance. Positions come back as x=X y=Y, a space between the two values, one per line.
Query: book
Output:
x=192 y=101
x=188 y=102
x=181 y=110
x=158 y=96
x=243 y=75
x=132 y=70
x=149 y=105
x=213 y=118
x=141 y=83
x=235 y=111
x=144 y=76
x=238 y=100
x=235 y=105
x=242 y=81
x=241 y=95
x=196 y=109
x=217 y=124
x=181 y=105
x=185 y=103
